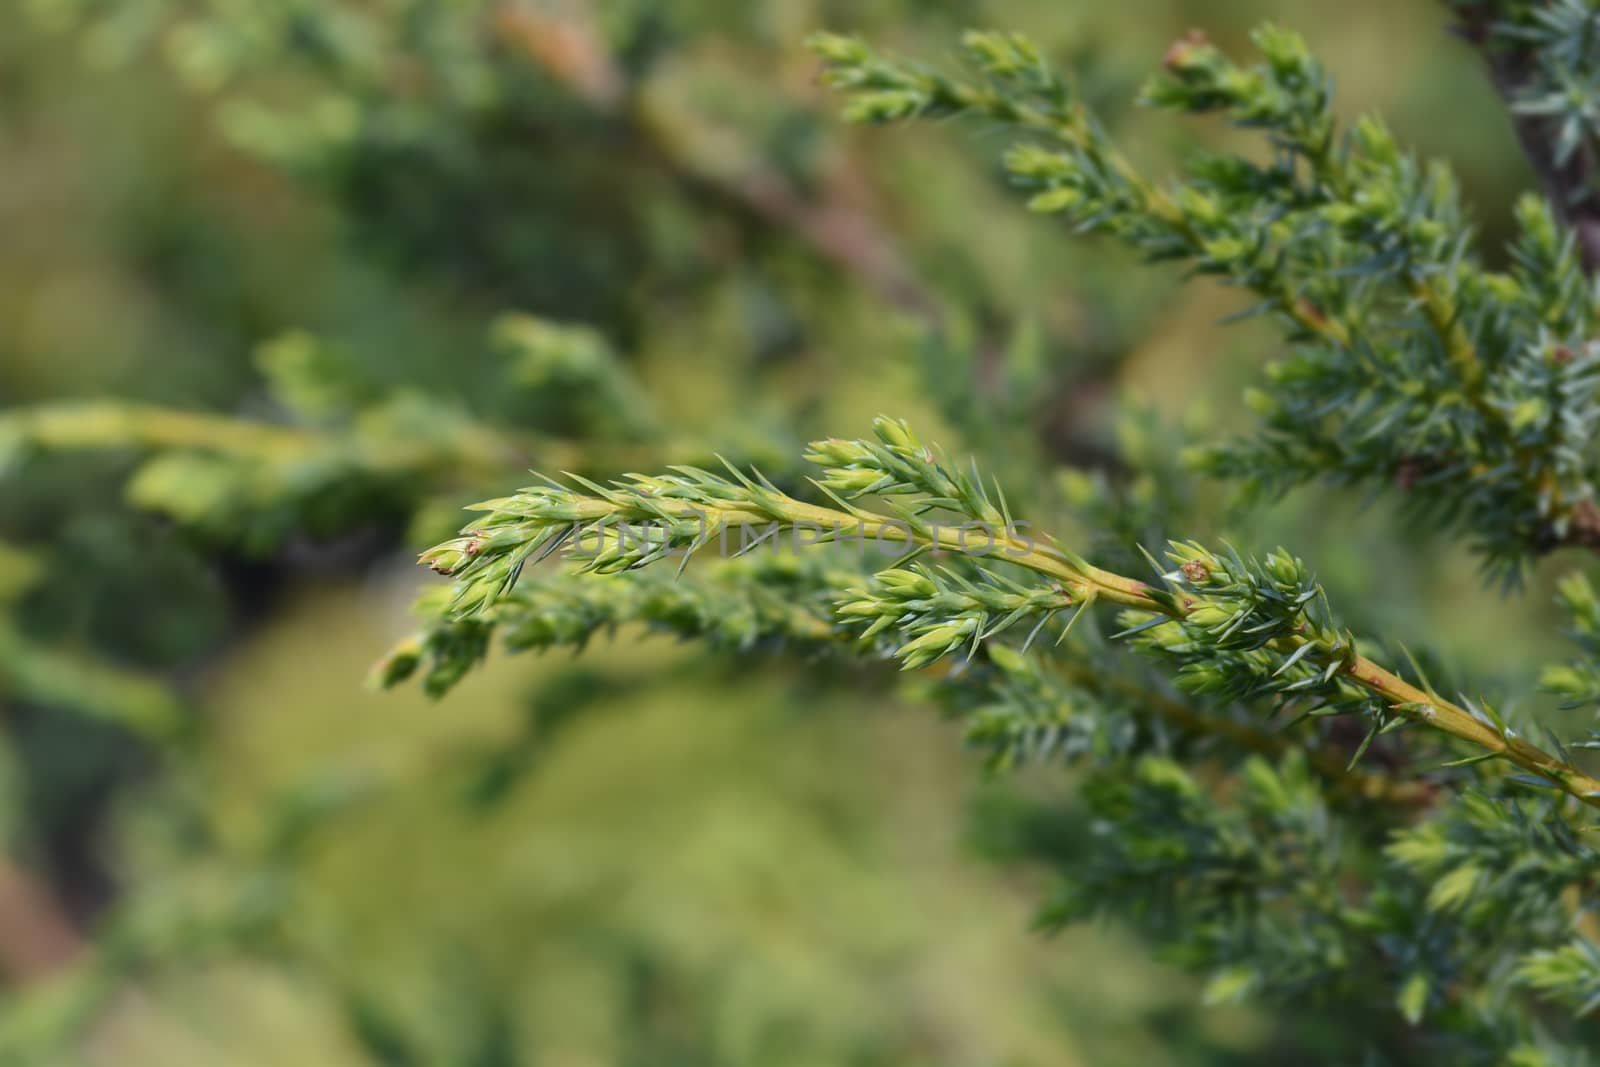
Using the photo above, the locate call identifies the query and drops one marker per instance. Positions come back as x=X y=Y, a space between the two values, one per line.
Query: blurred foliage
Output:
x=286 y=283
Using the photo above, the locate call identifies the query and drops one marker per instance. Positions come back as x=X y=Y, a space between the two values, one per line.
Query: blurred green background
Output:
x=648 y=855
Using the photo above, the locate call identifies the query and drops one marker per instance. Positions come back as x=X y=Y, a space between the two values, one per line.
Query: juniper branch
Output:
x=782 y=601
x=1251 y=887
x=114 y=425
x=249 y=480
x=764 y=602
x=1361 y=253
x=1236 y=627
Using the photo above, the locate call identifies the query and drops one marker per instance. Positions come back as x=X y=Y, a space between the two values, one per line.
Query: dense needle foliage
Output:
x=1414 y=366
x=1313 y=816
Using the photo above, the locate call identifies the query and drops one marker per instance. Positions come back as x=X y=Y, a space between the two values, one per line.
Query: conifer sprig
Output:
x=339 y=450
x=1415 y=366
x=1236 y=627
x=1454 y=918
x=765 y=601
x=1017 y=708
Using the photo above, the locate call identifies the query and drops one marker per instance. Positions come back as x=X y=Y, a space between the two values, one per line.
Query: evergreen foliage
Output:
x=1280 y=799
x=1414 y=365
